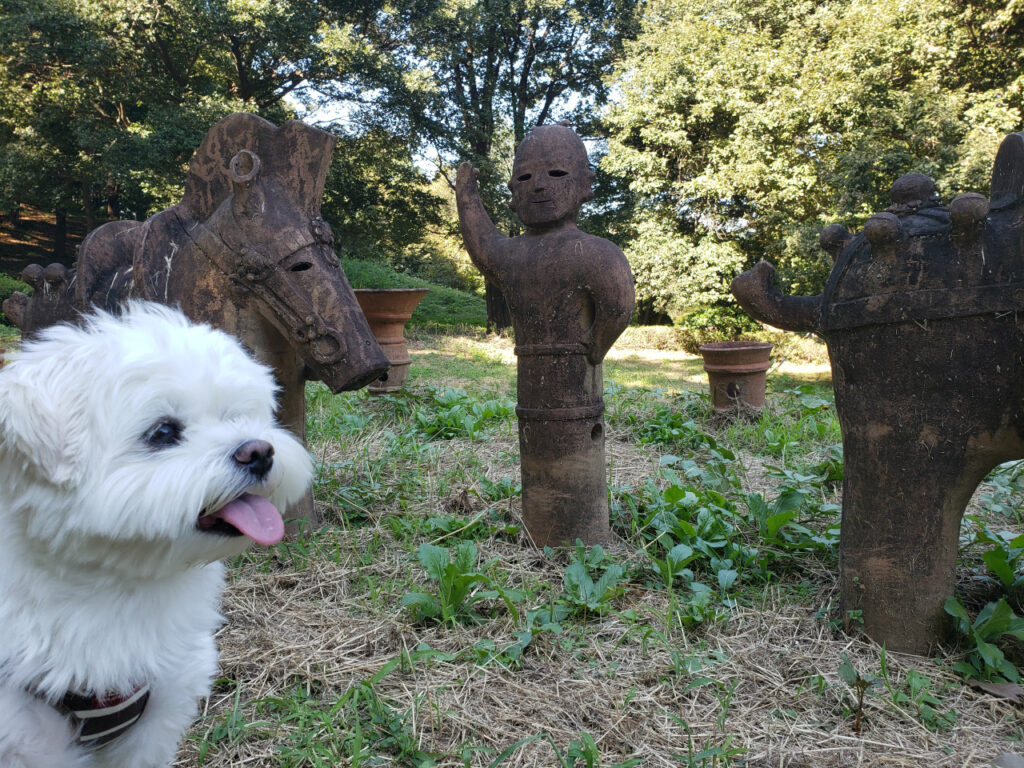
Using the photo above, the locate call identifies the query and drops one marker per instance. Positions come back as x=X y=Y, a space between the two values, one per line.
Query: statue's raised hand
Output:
x=466 y=177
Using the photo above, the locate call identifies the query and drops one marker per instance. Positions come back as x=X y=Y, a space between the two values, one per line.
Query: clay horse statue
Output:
x=922 y=319
x=571 y=295
x=246 y=251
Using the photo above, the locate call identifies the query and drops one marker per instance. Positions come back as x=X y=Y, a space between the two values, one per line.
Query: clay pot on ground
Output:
x=387 y=311
x=737 y=372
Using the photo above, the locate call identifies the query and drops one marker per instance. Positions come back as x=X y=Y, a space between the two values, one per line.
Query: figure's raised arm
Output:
x=481 y=238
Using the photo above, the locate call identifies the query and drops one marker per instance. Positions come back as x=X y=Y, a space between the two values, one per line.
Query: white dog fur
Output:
x=114 y=439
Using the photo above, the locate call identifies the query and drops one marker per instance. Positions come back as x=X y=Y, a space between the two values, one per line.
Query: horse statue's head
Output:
x=252 y=206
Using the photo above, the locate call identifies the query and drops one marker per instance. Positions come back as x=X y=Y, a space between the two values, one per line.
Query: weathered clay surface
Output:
x=571 y=295
x=927 y=352
x=246 y=251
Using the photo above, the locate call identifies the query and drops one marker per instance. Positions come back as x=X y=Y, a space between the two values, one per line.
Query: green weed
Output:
x=582 y=592
x=985 y=660
x=457 y=582
x=1003 y=556
x=358 y=728
x=917 y=695
x=581 y=752
x=447 y=412
x=719 y=750
x=227 y=729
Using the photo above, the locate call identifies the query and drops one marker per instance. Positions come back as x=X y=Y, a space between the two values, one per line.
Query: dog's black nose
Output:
x=256 y=456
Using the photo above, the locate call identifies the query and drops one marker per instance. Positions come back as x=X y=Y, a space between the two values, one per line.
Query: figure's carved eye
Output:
x=558 y=173
x=164 y=434
x=302 y=266
x=524 y=177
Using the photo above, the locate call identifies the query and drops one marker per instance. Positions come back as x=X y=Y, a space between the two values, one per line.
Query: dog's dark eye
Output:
x=164 y=434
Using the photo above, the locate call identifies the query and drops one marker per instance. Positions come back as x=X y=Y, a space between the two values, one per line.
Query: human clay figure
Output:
x=570 y=295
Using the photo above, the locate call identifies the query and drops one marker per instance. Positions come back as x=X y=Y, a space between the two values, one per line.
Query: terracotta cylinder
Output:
x=565 y=493
x=737 y=372
x=388 y=310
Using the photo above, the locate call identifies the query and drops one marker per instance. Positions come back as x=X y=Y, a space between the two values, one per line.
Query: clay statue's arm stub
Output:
x=756 y=293
x=611 y=286
x=482 y=239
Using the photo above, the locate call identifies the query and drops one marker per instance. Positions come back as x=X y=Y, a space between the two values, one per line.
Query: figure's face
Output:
x=546 y=191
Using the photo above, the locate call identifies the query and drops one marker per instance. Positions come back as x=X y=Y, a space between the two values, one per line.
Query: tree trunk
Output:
x=646 y=314
x=498 y=315
x=114 y=205
x=60 y=235
x=88 y=207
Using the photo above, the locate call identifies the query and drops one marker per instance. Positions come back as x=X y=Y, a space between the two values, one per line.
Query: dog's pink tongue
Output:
x=255 y=517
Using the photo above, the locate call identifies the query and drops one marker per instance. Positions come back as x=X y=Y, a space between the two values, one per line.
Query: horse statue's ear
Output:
x=243 y=169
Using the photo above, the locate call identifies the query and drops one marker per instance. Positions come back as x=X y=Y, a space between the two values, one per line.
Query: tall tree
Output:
x=479 y=74
x=744 y=127
x=104 y=101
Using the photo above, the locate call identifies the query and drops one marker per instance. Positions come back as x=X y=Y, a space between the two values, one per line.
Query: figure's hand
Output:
x=760 y=278
x=465 y=178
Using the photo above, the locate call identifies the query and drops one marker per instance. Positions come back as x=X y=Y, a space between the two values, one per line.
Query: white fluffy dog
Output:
x=135 y=453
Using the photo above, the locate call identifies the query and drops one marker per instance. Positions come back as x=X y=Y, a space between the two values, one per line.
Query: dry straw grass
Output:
x=337 y=620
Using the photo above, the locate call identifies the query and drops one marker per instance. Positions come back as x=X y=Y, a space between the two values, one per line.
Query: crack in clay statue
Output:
x=921 y=317
x=246 y=251
x=571 y=295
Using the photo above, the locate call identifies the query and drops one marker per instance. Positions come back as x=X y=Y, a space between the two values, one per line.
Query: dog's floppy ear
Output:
x=41 y=428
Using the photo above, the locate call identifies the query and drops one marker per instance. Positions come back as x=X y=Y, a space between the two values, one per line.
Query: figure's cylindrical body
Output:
x=561 y=445
x=565 y=495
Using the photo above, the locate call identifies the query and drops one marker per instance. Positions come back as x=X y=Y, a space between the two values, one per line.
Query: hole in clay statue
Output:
x=302 y=266
x=595 y=433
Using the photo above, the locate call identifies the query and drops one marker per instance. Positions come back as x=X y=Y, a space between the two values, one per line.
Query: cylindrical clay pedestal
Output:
x=565 y=494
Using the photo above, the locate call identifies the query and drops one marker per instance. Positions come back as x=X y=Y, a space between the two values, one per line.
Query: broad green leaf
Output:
x=727 y=577
x=679 y=556
x=465 y=556
x=434 y=559
x=956 y=609
x=776 y=522
x=998 y=563
x=847 y=672
x=425 y=605
x=993 y=620
x=604 y=586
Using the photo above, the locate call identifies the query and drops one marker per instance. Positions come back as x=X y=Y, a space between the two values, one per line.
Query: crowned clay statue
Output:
x=570 y=295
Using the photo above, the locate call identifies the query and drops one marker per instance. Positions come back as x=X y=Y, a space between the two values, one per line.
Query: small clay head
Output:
x=550 y=177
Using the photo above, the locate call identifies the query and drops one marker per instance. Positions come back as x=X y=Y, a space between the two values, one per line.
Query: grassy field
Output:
x=420 y=628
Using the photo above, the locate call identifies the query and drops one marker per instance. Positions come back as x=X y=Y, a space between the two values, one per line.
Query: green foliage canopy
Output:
x=745 y=127
x=104 y=101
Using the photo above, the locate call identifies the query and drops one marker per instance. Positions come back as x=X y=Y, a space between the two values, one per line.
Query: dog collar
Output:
x=99 y=719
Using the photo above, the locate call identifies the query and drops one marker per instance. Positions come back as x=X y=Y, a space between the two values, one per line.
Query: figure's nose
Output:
x=255 y=456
